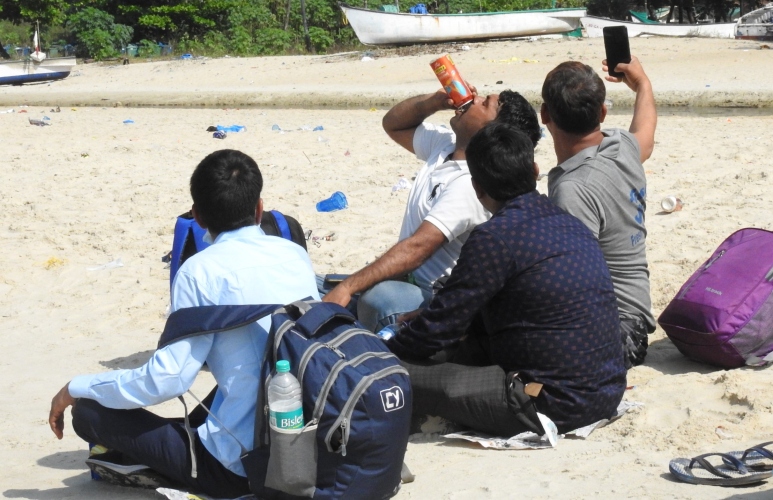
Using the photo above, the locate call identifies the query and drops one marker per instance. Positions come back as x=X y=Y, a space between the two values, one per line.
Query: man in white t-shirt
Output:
x=442 y=206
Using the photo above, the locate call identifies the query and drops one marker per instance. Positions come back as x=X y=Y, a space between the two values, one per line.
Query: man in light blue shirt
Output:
x=243 y=266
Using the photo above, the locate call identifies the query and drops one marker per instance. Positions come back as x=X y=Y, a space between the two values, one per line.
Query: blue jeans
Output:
x=381 y=305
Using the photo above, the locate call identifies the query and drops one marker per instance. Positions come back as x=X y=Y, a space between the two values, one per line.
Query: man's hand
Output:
x=339 y=295
x=407 y=317
x=56 y=416
x=633 y=74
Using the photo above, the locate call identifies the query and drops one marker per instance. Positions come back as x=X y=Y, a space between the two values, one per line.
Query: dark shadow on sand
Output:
x=128 y=362
x=66 y=460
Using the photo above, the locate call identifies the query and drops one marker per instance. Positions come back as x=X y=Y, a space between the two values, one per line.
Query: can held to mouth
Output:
x=451 y=80
x=671 y=204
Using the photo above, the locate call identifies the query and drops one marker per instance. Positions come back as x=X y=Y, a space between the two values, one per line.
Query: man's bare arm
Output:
x=402 y=258
x=645 y=113
x=401 y=121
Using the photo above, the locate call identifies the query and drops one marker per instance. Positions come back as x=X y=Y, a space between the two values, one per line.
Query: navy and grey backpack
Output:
x=356 y=402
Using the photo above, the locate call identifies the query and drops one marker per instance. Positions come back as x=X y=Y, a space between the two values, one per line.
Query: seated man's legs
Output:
x=381 y=305
x=635 y=340
x=159 y=443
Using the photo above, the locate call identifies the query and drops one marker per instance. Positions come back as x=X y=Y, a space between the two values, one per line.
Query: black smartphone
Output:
x=334 y=279
x=617 y=48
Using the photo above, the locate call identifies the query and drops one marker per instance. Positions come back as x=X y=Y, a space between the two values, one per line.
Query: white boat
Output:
x=756 y=25
x=29 y=70
x=378 y=28
x=35 y=68
x=594 y=28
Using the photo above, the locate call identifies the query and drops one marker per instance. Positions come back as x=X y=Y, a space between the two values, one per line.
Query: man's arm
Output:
x=402 y=258
x=401 y=121
x=645 y=113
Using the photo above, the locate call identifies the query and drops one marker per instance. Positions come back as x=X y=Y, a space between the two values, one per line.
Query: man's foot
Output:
x=111 y=468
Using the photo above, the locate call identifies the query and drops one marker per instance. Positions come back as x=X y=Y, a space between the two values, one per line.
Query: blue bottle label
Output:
x=287 y=420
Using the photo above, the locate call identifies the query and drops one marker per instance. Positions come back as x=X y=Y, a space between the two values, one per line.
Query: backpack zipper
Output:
x=319 y=406
x=710 y=263
x=344 y=418
x=332 y=345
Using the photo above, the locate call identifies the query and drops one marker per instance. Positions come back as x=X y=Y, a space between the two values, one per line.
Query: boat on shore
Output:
x=756 y=25
x=36 y=67
x=382 y=28
x=594 y=28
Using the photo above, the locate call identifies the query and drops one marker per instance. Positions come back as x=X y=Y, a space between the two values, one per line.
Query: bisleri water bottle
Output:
x=285 y=404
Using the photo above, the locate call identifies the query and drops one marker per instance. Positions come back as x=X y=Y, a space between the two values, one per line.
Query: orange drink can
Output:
x=451 y=80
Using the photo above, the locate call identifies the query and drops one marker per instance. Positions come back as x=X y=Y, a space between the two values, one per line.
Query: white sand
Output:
x=89 y=189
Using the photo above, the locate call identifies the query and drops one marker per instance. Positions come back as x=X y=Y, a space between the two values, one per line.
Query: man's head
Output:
x=225 y=188
x=573 y=96
x=507 y=107
x=501 y=161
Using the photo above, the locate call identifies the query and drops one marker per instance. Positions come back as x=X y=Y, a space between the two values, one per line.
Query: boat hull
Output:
x=594 y=28
x=29 y=71
x=382 y=28
x=756 y=25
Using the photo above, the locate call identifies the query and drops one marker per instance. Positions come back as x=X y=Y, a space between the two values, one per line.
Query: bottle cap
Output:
x=282 y=366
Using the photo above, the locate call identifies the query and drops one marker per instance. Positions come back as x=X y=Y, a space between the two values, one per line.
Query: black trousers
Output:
x=465 y=387
x=161 y=444
x=634 y=332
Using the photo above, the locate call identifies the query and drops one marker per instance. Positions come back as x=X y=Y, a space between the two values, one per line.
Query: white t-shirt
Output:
x=443 y=196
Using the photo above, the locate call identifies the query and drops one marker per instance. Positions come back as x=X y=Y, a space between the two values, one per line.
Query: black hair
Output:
x=574 y=94
x=225 y=188
x=516 y=110
x=501 y=160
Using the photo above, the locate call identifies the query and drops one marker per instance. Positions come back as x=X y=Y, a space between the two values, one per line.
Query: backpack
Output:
x=723 y=314
x=188 y=236
x=356 y=401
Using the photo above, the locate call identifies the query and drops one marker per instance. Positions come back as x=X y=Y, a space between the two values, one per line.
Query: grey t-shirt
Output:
x=604 y=186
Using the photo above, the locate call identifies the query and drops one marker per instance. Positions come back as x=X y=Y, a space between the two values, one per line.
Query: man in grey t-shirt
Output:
x=600 y=180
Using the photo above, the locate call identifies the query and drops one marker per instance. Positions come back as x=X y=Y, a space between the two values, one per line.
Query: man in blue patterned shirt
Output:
x=528 y=320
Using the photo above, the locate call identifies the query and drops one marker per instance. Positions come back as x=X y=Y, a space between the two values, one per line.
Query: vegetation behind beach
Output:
x=104 y=29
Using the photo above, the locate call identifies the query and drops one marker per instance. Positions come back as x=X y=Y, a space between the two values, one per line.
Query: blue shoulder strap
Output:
x=193 y=321
x=281 y=223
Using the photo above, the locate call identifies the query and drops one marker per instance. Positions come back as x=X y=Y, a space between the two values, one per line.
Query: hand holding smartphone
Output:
x=617 y=48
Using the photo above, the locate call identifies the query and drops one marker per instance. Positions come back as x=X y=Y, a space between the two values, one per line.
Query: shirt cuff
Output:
x=79 y=387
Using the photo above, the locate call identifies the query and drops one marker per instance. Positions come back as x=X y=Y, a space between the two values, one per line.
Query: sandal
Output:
x=756 y=458
x=732 y=472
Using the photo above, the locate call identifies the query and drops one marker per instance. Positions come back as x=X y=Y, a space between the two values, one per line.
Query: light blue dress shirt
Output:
x=242 y=267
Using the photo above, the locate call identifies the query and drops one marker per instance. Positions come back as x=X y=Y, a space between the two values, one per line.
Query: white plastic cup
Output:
x=671 y=204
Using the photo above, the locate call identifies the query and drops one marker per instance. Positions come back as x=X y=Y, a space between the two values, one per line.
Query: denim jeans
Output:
x=381 y=305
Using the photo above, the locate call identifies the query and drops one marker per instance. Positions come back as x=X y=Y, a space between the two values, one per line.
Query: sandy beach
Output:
x=89 y=189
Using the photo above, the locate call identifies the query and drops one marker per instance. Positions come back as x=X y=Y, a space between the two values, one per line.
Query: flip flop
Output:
x=756 y=458
x=732 y=472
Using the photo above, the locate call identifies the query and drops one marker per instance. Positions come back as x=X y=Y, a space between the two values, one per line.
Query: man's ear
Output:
x=259 y=211
x=603 y=113
x=479 y=192
x=543 y=114
x=197 y=217
x=536 y=171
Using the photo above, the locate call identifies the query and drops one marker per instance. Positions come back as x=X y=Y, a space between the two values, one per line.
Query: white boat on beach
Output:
x=756 y=25
x=378 y=28
x=594 y=28
x=35 y=68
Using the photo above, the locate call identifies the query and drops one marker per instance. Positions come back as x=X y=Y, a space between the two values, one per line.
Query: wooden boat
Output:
x=378 y=28
x=35 y=68
x=756 y=25
x=594 y=26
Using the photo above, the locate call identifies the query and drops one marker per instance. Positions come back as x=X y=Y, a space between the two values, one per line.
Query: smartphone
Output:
x=617 y=48
x=334 y=279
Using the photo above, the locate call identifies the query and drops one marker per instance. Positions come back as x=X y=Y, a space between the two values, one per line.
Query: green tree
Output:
x=97 y=34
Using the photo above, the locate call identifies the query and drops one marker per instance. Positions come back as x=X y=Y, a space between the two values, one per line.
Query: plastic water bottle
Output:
x=285 y=404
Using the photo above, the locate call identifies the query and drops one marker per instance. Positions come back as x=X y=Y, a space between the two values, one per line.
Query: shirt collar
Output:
x=241 y=233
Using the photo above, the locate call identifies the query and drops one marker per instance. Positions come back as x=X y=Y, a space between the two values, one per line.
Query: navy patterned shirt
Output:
x=538 y=277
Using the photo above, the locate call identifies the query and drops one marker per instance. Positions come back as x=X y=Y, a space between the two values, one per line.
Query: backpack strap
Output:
x=281 y=224
x=310 y=319
x=193 y=321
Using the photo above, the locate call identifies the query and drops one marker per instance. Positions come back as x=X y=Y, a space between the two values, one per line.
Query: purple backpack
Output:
x=723 y=314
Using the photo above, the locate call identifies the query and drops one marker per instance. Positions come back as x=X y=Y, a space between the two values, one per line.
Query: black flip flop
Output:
x=732 y=472
x=756 y=458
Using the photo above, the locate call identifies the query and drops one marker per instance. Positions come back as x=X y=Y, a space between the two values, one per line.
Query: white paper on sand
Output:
x=172 y=494
x=531 y=441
